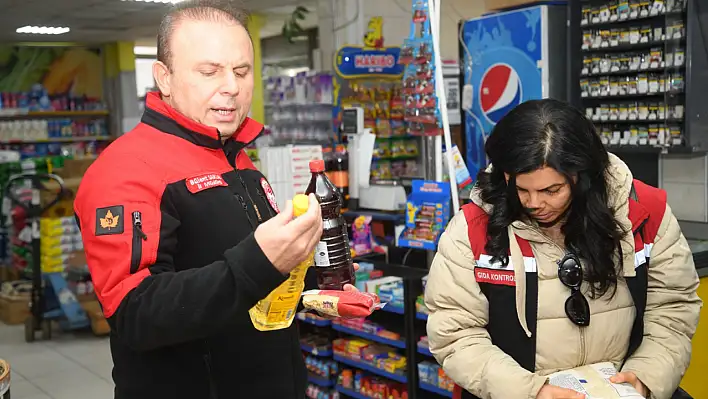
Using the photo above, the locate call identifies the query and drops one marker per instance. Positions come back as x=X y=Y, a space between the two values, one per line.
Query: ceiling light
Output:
x=43 y=30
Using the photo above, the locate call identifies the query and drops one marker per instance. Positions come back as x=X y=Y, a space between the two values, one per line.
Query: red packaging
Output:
x=348 y=304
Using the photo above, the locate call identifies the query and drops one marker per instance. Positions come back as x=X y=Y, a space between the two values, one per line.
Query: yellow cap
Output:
x=300 y=204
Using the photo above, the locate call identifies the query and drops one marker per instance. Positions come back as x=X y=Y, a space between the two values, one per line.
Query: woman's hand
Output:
x=631 y=378
x=554 y=392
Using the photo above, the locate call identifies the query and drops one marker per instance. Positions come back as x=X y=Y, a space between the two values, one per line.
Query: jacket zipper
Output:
x=581 y=330
x=583 y=355
x=248 y=193
x=139 y=236
x=265 y=201
x=245 y=209
x=207 y=363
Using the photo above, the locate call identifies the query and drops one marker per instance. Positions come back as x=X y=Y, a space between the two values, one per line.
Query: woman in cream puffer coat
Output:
x=552 y=184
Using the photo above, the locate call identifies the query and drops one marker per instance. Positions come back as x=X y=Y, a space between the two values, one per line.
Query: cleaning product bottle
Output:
x=277 y=310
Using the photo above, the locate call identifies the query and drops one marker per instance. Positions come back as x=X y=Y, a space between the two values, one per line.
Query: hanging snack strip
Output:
x=422 y=113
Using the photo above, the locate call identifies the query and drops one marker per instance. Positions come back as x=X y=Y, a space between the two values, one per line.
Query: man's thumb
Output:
x=618 y=378
x=286 y=215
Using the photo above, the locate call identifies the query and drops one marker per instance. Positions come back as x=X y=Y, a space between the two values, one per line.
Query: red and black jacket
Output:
x=167 y=215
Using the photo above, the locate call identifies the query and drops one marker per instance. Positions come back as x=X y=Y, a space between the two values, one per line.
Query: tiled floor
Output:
x=67 y=367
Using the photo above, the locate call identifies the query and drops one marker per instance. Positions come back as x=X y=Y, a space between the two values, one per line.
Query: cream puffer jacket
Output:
x=459 y=311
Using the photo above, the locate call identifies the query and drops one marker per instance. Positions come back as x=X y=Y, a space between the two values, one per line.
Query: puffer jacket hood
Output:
x=460 y=311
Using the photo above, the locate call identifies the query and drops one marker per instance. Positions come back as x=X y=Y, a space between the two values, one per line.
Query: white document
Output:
x=594 y=381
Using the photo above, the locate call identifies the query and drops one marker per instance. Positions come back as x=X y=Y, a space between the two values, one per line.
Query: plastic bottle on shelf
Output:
x=333 y=259
x=277 y=310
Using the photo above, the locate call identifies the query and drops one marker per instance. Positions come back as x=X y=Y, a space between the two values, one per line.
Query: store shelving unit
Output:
x=40 y=133
x=412 y=327
x=370 y=368
x=632 y=76
x=371 y=337
x=641 y=78
x=320 y=381
x=435 y=390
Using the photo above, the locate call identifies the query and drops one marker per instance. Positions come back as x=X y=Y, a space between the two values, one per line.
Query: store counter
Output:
x=694 y=382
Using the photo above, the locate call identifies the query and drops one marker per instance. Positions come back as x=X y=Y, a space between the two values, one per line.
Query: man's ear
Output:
x=161 y=74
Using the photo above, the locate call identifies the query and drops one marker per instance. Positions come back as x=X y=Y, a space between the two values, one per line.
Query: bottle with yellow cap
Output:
x=277 y=310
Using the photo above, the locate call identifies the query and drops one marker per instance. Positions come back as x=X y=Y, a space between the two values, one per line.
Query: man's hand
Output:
x=286 y=241
x=631 y=378
x=554 y=392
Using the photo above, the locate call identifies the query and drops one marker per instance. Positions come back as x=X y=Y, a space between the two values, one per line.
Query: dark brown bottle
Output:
x=333 y=259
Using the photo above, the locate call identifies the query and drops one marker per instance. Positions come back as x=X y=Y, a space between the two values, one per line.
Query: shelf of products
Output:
x=319 y=381
x=315 y=320
x=374 y=362
x=38 y=101
x=359 y=384
x=317 y=351
x=633 y=74
x=318 y=392
x=432 y=378
x=299 y=109
x=379 y=335
x=321 y=371
x=617 y=12
x=370 y=368
x=351 y=393
x=423 y=348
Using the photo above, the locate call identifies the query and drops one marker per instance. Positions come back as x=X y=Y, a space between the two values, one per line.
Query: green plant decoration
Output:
x=291 y=26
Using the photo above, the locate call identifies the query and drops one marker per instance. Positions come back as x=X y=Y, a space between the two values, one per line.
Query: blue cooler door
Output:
x=502 y=67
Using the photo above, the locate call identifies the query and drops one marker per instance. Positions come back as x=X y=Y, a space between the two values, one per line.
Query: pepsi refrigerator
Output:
x=508 y=58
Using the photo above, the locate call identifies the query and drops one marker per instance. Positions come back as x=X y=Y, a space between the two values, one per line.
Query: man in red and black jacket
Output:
x=182 y=234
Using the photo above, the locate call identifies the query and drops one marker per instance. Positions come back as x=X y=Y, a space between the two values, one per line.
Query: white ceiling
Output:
x=97 y=21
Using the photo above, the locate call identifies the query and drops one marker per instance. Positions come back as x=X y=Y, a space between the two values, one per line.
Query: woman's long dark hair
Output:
x=552 y=133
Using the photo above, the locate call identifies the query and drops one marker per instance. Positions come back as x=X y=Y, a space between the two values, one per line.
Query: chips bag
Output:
x=347 y=304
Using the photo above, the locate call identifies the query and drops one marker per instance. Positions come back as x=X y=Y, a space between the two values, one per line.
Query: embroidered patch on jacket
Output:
x=495 y=276
x=109 y=220
x=203 y=182
x=270 y=195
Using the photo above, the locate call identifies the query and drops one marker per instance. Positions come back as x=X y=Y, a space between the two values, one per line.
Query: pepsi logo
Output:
x=500 y=91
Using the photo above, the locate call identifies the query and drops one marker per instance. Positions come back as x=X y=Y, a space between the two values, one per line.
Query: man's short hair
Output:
x=199 y=10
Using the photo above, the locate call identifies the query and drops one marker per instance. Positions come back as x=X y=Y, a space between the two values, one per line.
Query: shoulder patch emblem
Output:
x=270 y=195
x=109 y=220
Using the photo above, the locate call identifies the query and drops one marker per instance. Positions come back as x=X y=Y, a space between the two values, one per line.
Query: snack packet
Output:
x=347 y=304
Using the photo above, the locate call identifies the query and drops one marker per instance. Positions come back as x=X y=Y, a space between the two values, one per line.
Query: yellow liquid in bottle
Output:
x=277 y=310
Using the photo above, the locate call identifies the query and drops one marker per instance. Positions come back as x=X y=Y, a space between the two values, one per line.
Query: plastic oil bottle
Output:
x=277 y=310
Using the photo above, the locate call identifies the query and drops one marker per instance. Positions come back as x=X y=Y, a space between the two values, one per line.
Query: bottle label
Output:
x=321 y=255
x=331 y=224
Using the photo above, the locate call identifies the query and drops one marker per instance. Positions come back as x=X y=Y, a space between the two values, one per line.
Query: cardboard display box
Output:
x=14 y=302
x=99 y=325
